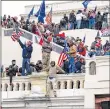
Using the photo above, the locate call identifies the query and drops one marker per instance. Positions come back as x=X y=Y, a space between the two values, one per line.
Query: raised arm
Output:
x=21 y=44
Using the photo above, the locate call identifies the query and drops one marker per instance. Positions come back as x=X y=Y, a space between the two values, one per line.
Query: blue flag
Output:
x=84 y=39
x=85 y=3
x=41 y=12
x=37 y=14
x=31 y=13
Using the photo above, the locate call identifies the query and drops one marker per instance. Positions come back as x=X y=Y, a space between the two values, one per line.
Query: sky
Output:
x=15 y=8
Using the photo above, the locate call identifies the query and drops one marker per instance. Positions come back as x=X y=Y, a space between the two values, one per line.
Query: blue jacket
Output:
x=27 y=51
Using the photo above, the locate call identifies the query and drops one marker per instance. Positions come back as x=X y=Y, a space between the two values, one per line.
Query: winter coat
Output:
x=27 y=51
x=98 y=18
x=72 y=18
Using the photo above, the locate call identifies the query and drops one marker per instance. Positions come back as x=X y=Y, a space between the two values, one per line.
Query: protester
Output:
x=46 y=51
x=12 y=70
x=52 y=75
x=27 y=50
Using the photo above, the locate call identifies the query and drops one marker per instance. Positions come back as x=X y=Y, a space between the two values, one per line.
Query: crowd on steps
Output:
x=75 y=52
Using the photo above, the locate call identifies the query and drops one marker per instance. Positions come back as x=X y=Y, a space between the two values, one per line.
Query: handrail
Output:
x=30 y=36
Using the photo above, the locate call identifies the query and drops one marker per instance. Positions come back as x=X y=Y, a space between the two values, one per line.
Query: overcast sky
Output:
x=15 y=8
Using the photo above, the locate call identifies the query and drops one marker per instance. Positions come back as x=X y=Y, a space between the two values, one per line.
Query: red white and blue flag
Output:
x=49 y=17
x=63 y=55
x=15 y=35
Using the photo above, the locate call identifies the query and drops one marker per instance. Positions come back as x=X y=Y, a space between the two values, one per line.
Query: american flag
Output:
x=15 y=35
x=63 y=55
x=39 y=36
x=49 y=17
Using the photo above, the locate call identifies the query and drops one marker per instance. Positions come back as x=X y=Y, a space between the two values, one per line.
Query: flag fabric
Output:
x=15 y=36
x=31 y=13
x=41 y=12
x=105 y=32
x=37 y=14
x=49 y=17
x=85 y=3
x=95 y=9
x=84 y=39
x=40 y=36
x=63 y=55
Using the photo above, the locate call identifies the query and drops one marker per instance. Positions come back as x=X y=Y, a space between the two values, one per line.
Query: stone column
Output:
x=62 y=84
x=3 y=87
x=20 y=87
x=75 y=84
x=14 y=86
x=26 y=87
x=68 y=84
x=81 y=84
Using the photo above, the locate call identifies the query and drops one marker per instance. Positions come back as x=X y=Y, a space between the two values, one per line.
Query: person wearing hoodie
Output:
x=79 y=17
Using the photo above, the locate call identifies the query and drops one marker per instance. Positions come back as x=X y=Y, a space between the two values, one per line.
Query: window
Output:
x=92 y=68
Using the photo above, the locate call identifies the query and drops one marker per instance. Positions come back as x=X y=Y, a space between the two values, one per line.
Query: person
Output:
x=72 y=54
x=98 y=20
x=52 y=75
x=81 y=49
x=106 y=48
x=46 y=51
x=66 y=19
x=79 y=17
x=105 y=20
x=65 y=66
x=12 y=70
x=27 y=50
x=72 y=20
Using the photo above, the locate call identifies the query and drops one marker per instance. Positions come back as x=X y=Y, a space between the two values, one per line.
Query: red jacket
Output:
x=62 y=35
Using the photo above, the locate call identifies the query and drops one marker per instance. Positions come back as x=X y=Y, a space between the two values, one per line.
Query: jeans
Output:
x=26 y=66
x=98 y=53
x=71 y=65
x=78 y=24
x=91 y=23
x=85 y=24
x=71 y=26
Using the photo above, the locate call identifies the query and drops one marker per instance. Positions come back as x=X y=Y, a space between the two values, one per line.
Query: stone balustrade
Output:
x=21 y=83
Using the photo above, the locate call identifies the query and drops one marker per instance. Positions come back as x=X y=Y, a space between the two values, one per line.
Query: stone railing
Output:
x=33 y=37
x=21 y=83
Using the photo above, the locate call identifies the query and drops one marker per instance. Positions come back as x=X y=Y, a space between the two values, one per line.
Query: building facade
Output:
x=59 y=9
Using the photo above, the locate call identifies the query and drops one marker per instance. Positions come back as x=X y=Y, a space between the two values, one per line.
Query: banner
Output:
x=105 y=32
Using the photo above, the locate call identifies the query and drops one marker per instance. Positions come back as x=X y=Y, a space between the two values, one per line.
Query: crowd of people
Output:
x=74 y=63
